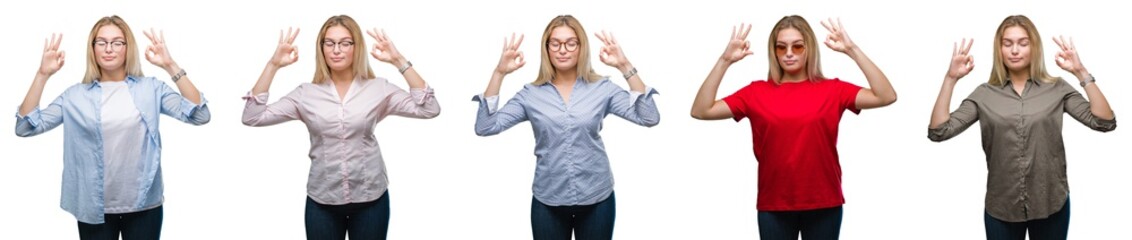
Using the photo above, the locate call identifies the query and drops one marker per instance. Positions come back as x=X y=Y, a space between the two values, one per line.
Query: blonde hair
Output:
x=546 y=71
x=1037 y=62
x=132 y=65
x=813 y=63
x=360 y=63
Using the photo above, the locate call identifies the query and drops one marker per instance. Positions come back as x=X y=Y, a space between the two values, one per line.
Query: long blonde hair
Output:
x=1037 y=62
x=360 y=63
x=546 y=71
x=132 y=64
x=813 y=63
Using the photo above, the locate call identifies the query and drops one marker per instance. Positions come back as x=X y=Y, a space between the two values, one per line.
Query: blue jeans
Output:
x=1056 y=226
x=143 y=225
x=367 y=220
x=812 y=224
x=587 y=221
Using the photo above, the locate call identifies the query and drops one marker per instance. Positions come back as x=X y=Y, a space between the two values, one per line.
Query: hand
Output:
x=961 y=60
x=1067 y=58
x=383 y=49
x=512 y=58
x=837 y=40
x=611 y=53
x=738 y=47
x=52 y=57
x=286 y=53
x=157 y=53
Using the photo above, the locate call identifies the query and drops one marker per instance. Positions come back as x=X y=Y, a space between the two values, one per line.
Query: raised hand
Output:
x=738 y=47
x=1067 y=58
x=837 y=40
x=52 y=57
x=157 y=53
x=286 y=53
x=512 y=58
x=611 y=53
x=961 y=60
x=383 y=49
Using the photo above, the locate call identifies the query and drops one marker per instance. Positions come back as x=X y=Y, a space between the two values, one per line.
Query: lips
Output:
x=108 y=58
x=1014 y=59
x=789 y=62
x=562 y=59
x=334 y=59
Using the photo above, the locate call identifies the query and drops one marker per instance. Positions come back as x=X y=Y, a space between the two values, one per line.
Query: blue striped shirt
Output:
x=572 y=168
x=79 y=108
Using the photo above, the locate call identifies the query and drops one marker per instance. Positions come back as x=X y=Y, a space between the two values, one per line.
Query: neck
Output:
x=1019 y=76
x=793 y=77
x=343 y=76
x=112 y=75
x=565 y=76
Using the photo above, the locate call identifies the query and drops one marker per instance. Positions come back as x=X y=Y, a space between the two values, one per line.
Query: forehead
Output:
x=1015 y=32
x=789 y=35
x=337 y=32
x=563 y=33
x=109 y=31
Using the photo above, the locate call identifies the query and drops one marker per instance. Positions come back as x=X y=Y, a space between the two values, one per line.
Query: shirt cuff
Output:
x=634 y=95
x=260 y=98
x=492 y=102
x=421 y=95
x=33 y=117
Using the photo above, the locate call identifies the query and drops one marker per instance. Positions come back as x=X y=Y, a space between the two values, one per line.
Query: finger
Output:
x=517 y=43
x=47 y=43
x=826 y=26
x=294 y=54
x=733 y=32
x=1072 y=45
x=1058 y=42
x=148 y=35
x=954 y=49
x=291 y=39
x=511 y=41
x=384 y=36
x=612 y=39
x=600 y=37
x=748 y=53
x=840 y=27
x=371 y=33
x=281 y=36
x=62 y=57
x=161 y=37
x=967 y=49
x=746 y=31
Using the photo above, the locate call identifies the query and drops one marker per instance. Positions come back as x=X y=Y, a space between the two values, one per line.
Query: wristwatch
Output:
x=1087 y=81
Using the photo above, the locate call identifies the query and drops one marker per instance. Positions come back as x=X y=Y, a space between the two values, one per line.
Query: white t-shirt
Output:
x=123 y=138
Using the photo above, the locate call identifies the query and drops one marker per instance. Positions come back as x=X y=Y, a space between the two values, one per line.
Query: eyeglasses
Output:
x=341 y=45
x=114 y=46
x=781 y=49
x=557 y=46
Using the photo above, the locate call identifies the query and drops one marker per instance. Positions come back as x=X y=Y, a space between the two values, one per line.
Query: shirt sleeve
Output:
x=1081 y=110
x=416 y=103
x=847 y=95
x=638 y=108
x=737 y=102
x=961 y=119
x=39 y=120
x=258 y=113
x=179 y=107
x=490 y=121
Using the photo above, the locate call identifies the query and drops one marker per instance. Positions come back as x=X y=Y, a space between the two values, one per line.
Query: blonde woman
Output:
x=347 y=185
x=1020 y=112
x=566 y=104
x=794 y=117
x=112 y=145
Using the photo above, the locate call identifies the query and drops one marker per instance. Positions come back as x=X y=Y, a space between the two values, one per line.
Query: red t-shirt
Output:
x=794 y=131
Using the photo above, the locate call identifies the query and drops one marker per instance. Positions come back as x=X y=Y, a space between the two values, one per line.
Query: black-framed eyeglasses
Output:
x=341 y=45
x=557 y=46
x=113 y=45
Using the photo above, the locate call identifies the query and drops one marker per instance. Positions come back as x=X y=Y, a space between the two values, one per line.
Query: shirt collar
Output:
x=1030 y=80
x=129 y=80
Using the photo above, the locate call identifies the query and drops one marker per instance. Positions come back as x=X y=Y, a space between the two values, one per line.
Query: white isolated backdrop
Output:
x=683 y=179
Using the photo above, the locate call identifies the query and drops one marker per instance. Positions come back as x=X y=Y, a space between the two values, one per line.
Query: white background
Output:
x=683 y=179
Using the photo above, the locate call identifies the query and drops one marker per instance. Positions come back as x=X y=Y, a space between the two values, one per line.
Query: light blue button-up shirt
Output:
x=572 y=168
x=79 y=109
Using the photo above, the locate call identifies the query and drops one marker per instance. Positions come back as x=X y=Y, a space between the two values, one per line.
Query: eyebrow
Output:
x=112 y=39
x=343 y=39
x=795 y=41
x=567 y=40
